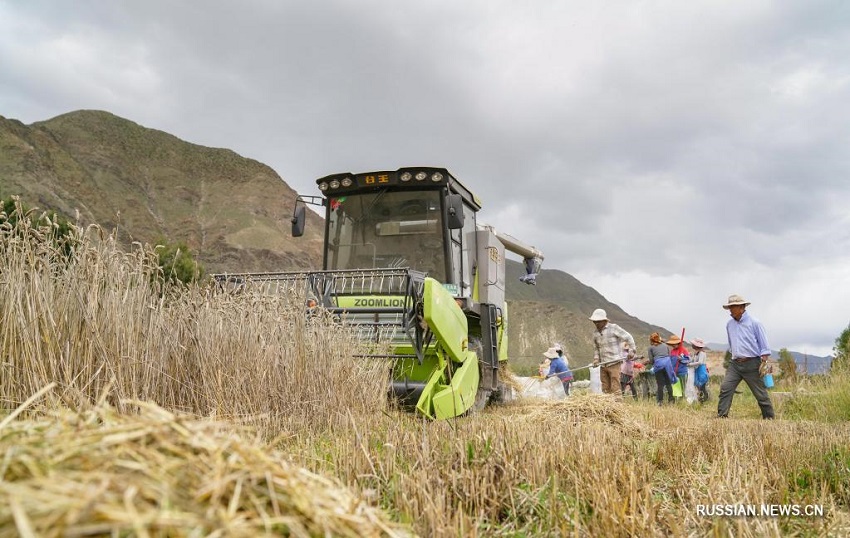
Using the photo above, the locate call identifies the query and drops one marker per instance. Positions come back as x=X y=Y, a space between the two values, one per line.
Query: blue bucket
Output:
x=768 y=381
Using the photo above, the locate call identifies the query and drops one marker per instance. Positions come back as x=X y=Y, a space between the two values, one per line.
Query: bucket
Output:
x=701 y=375
x=677 y=389
x=768 y=381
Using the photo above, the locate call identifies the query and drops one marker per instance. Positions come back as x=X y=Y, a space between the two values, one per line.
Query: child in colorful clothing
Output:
x=627 y=371
x=700 y=369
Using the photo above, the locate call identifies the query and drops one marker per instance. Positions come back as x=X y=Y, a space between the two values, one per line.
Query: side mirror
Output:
x=454 y=211
x=299 y=219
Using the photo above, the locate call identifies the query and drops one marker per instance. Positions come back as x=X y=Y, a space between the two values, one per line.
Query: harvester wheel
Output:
x=482 y=398
x=504 y=394
x=484 y=394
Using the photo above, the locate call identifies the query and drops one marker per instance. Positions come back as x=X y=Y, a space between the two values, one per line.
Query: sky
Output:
x=666 y=153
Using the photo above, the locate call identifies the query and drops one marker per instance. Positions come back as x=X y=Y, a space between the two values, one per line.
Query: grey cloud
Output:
x=620 y=137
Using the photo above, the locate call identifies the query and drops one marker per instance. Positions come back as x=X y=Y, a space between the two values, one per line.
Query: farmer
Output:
x=750 y=351
x=560 y=351
x=679 y=358
x=608 y=340
x=700 y=370
x=658 y=356
x=558 y=367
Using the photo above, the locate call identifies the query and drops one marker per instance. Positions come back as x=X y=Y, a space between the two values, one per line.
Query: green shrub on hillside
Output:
x=177 y=263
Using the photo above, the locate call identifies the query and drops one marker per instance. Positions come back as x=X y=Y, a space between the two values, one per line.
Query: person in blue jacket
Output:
x=680 y=359
x=658 y=356
x=558 y=366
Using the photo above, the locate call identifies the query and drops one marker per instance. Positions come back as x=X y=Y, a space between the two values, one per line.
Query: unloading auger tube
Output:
x=532 y=256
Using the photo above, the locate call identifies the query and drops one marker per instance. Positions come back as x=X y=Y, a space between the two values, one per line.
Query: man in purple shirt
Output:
x=749 y=349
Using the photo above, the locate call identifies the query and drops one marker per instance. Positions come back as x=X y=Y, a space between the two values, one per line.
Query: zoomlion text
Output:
x=760 y=510
x=371 y=301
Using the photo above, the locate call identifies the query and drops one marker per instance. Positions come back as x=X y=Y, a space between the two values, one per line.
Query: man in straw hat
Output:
x=749 y=349
x=608 y=340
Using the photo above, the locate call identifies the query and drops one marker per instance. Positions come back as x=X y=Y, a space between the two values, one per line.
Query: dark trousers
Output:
x=627 y=381
x=748 y=371
x=662 y=382
x=566 y=387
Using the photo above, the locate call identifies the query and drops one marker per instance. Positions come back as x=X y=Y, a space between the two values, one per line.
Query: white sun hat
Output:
x=598 y=315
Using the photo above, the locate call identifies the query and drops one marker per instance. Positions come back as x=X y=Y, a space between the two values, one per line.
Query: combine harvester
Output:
x=408 y=266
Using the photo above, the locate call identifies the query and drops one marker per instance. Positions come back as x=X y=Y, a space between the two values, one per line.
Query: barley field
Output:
x=135 y=408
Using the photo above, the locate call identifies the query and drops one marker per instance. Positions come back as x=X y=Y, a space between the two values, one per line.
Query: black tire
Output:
x=484 y=394
x=482 y=398
x=503 y=394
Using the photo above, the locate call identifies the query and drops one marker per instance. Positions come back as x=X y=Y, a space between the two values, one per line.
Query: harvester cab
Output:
x=409 y=267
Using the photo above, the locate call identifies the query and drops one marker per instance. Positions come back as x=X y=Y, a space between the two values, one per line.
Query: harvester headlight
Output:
x=323 y=186
x=335 y=184
x=406 y=176
x=436 y=176
x=420 y=176
x=346 y=182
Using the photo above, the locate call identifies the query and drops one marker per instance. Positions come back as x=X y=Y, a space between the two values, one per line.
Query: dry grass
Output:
x=96 y=321
x=154 y=473
x=592 y=466
x=585 y=466
x=582 y=408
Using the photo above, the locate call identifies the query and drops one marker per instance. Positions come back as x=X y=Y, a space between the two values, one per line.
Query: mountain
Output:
x=806 y=364
x=810 y=364
x=233 y=213
x=90 y=165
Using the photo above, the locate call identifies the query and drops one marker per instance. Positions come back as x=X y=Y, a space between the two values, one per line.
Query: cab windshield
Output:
x=387 y=229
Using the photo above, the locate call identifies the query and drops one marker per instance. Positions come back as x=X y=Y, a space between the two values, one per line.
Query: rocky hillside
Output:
x=234 y=213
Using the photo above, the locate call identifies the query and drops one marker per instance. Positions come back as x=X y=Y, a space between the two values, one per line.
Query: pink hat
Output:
x=697 y=342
